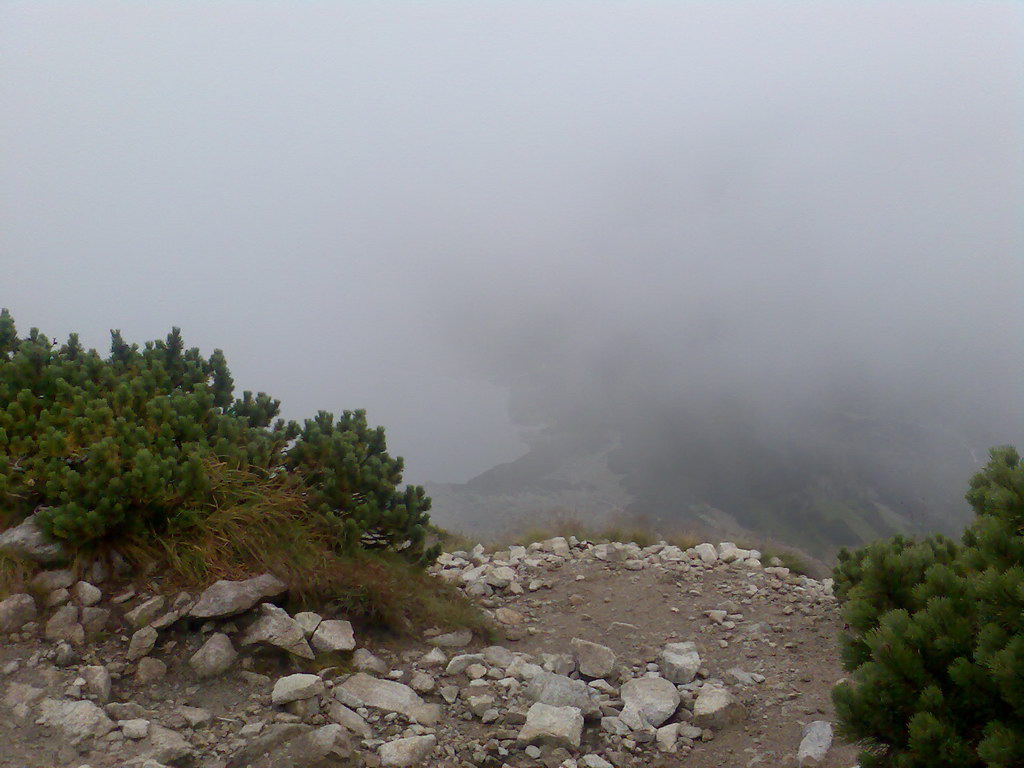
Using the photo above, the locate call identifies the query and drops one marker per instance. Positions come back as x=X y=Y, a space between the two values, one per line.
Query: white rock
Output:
x=146 y=612
x=459 y=639
x=134 y=729
x=561 y=691
x=553 y=726
x=63 y=625
x=142 y=643
x=309 y=621
x=386 y=695
x=666 y=737
x=349 y=719
x=166 y=746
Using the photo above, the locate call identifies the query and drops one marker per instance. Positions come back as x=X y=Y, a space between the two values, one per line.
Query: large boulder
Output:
x=27 y=541
x=649 y=702
x=552 y=726
x=228 y=598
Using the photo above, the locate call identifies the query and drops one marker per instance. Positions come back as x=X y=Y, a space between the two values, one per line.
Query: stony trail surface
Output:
x=610 y=655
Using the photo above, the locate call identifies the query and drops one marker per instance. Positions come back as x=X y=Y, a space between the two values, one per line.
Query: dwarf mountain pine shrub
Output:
x=131 y=444
x=935 y=644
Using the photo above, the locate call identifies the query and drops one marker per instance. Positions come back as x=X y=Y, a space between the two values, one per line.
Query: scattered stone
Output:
x=364 y=661
x=86 y=594
x=706 y=552
x=165 y=745
x=561 y=691
x=680 y=662
x=142 y=643
x=349 y=719
x=215 y=657
x=552 y=726
x=78 y=720
x=28 y=542
x=63 y=625
x=459 y=639
x=150 y=670
x=815 y=744
x=386 y=695
x=145 y=612
x=716 y=708
x=276 y=628
x=649 y=702
x=593 y=660
x=16 y=611
x=134 y=729
x=333 y=635
x=97 y=682
x=407 y=752
x=309 y=621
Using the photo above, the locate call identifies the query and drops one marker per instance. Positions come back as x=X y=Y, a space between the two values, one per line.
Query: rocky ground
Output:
x=611 y=655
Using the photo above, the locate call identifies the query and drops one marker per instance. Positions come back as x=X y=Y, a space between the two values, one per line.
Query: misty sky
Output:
x=430 y=209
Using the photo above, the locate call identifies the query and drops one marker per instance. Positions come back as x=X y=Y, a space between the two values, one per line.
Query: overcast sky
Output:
x=424 y=209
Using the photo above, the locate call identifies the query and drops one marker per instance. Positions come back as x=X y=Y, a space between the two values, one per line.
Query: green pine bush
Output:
x=935 y=638
x=133 y=444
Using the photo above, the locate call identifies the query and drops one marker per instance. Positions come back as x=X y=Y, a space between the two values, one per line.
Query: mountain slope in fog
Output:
x=831 y=479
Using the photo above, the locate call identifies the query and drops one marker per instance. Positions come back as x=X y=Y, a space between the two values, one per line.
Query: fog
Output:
x=494 y=223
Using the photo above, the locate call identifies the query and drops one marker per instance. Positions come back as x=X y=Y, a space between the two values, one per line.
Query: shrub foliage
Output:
x=129 y=445
x=935 y=639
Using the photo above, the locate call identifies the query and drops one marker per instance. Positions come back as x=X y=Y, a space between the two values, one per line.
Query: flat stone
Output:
x=146 y=611
x=28 y=542
x=215 y=657
x=334 y=635
x=16 y=611
x=48 y=581
x=592 y=659
x=552 y=726
x=229 y=598
x=134 y=729
x=716 y=708
x=295 y=687
x=458 y=639
x=649 y=702
x=386 y=695
x=349 y=719
x=815 y=744
x=407 y=752
x=276 y=628
x=462 y=662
